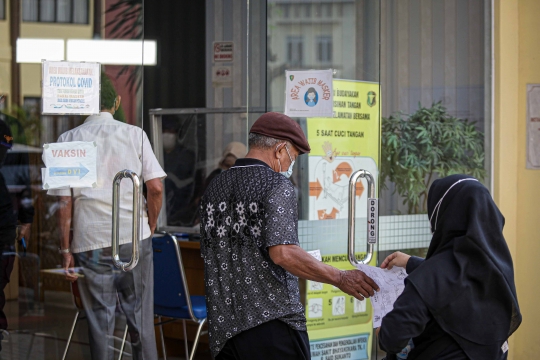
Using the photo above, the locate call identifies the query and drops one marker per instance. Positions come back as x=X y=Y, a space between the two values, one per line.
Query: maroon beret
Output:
x=282 y=127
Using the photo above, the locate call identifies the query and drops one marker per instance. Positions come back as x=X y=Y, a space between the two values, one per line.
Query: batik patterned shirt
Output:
x=244 y=211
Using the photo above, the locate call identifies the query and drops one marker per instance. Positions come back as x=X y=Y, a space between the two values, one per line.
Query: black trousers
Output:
x=271 y=340
x=7 y=259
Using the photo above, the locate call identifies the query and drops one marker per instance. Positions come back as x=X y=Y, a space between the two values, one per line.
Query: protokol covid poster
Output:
x=340 y=145
x=70 y=88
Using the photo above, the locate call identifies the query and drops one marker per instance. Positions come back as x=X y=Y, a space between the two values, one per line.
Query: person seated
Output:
x=233 y=151
x=460 y=301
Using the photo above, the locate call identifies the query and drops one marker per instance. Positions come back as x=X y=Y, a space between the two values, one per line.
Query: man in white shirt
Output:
x=119 y=146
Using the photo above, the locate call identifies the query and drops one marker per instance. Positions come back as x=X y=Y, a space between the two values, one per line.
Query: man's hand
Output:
x=68 y=264
x=152 y=229
x=398 y=259
x=357 y=284
x=299 y=263
x=24 y=231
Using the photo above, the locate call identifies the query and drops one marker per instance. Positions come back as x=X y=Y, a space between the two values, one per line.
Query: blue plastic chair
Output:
x=171 y=293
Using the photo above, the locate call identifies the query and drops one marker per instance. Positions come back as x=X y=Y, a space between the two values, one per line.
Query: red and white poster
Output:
x=223 y=51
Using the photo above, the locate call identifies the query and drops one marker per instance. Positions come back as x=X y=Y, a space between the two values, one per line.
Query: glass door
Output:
x=83 y=183
x=307 y=40
x=435 y=59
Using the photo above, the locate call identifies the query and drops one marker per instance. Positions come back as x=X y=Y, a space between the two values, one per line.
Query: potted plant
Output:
x=418 y=148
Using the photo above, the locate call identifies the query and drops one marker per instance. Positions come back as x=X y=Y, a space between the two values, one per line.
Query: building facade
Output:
x=219 y=64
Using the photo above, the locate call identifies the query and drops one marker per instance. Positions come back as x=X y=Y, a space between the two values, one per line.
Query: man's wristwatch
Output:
x=64 y=251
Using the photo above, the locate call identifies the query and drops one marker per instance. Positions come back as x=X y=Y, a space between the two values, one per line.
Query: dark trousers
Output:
x=6 y=267
x=271 y=340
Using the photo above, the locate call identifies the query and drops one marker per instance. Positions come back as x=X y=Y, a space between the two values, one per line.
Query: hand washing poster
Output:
x=340 y=145
x=70 y=88
x=340 y=326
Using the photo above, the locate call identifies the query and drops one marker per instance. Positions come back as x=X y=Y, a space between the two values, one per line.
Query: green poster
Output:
x=339 y=326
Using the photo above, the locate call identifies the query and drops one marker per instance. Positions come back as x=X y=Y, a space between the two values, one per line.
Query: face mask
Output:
x=287 y=173
x=169 y=141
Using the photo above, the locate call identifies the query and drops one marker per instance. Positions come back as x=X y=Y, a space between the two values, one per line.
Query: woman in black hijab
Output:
x=460 y=302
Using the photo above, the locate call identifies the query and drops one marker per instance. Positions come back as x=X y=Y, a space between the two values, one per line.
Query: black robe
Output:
x=463 y=294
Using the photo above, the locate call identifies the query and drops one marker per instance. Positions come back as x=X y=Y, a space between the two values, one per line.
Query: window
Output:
x=286 y=11
x=297 y=11
x=308 y=10
x=80 y=11
x=329 y=10
x=60 y=11
x=30 y=10
x=2 y=10
x=324 y=49
x=295 y=49
x=46 y=10
x=317 y=9
x=63 y=11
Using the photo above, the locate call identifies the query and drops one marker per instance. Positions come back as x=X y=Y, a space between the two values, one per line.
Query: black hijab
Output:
x=467 y=279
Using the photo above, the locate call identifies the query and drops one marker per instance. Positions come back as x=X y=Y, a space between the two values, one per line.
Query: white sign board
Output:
x=69 y=164
x=222 y=76
x=373 y=220
x=533 y=126
x=309 y=93
x=223 y=51
x=70 y=88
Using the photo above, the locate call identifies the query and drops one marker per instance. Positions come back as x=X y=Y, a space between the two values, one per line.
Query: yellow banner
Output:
x=338 y=324
x=348 y=142
x=355 y=128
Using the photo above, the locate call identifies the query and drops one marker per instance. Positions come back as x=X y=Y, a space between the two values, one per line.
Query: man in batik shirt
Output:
x=252 y=257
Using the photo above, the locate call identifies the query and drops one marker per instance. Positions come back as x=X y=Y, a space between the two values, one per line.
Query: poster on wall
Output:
x=69 y=165
x=341 y=145
x=222 y=76
x=309 y=93
x=70 y=88
x=533 y=126
x=339 y=326
x=223 y=51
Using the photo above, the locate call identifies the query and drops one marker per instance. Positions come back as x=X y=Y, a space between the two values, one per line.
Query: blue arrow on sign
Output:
x=80 y=171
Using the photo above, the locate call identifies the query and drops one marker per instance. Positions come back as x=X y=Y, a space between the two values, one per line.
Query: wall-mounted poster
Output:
x=70 y=164
x=70 y=88
x=339 y=326
x=340 y=145
x=533 y=126
x=223 y=51
x=309 y=93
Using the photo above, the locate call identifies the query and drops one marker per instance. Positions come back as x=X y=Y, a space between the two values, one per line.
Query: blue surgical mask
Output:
x=287 y=173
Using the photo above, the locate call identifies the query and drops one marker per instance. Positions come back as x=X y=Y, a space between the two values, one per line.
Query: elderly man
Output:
x=119 y=147
x=249 y=242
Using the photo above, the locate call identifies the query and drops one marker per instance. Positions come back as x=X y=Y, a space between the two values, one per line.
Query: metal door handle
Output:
x=135 y=233
x=372 y=219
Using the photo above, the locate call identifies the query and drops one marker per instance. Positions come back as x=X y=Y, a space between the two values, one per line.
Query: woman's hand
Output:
x=395 y=259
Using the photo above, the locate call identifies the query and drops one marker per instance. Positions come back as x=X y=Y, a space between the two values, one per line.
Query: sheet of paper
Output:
x=70 y=164
x=391 y=285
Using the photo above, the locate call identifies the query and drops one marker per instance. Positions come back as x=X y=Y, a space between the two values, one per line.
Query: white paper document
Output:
x=391 y=284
